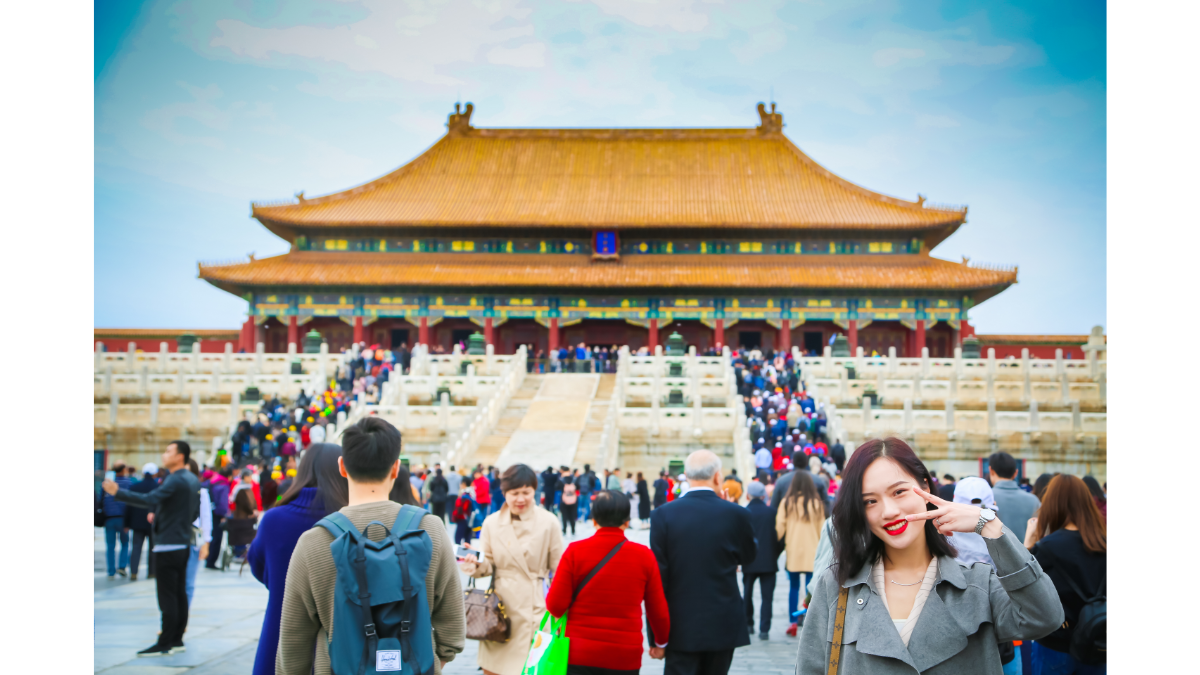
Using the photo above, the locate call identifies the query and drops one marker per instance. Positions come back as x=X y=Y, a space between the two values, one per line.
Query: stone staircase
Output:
x=589 y=450
x=510 y=419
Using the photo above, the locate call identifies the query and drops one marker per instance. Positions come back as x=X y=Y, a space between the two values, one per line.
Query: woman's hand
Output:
x=951 y=517
x=469 y=565
x=1031 y=532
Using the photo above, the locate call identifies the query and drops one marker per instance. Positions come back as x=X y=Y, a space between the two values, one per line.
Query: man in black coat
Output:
x=764 y=567
x=176 y=505
x=699 y=541
x=837 y=452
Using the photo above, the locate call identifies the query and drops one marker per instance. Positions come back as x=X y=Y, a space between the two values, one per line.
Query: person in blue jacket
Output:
x=317 y=490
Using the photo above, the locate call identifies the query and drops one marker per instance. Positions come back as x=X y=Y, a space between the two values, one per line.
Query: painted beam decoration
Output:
x=797 y=309
x=607 y=244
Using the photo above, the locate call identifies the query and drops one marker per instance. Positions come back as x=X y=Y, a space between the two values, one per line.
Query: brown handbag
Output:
x=486 y=618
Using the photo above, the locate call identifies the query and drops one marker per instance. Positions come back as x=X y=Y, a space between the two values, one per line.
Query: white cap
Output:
x=974 y=487
x=150 y=467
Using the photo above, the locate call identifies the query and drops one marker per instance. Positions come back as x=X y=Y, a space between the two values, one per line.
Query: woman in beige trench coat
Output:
x=521 y=545
x=798 y=523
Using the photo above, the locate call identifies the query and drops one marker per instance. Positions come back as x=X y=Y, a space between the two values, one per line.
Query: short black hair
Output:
x=947 y=476
x=370 y=448
x=182 y=448
x=518 y=476
x=1003 y=464
x=611 y=509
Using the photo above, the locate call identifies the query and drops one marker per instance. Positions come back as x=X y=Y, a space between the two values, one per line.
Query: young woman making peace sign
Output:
x=909 y=605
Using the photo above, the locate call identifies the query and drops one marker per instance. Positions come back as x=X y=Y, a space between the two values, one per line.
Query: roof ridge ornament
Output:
x=771 y=122
x=460 y=121
x=921 y=201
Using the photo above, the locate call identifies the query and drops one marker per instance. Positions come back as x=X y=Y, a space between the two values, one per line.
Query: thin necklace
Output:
x=900 y=584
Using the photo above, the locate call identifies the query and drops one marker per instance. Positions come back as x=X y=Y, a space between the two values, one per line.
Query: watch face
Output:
x=988 y=514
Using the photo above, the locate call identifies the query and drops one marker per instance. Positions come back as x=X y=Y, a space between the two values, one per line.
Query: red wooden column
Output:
x=423 y=331
x=719 y=333
x=358 y=329
x=294 y=332
x=785 y=337
x=653 y=335
x=553 y=333
x=852 y=336
x=488 y=333
x=246 y=341
x=920 y=344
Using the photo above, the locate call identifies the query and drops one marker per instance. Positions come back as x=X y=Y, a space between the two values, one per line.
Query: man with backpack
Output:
x=586 y=486
x=407 y=579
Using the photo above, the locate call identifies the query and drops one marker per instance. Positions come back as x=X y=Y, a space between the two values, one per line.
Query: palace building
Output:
x=611 y=236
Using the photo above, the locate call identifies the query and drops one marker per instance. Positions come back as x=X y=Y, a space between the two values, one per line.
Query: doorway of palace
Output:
x=814 y=342
x=399 y=337
x=460 y=335
x=750 y=339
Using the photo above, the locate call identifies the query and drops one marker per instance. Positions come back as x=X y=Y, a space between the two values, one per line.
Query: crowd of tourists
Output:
x=889 y=569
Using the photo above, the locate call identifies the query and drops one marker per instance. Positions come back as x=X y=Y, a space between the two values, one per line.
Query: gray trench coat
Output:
x=968 y=612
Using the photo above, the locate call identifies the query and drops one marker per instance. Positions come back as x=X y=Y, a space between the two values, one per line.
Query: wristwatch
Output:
x=985 y=516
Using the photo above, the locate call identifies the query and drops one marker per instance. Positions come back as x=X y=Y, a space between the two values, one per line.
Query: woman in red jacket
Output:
x=605 y=620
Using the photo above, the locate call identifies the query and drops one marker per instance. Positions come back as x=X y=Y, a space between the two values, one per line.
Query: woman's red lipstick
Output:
x=899 y=530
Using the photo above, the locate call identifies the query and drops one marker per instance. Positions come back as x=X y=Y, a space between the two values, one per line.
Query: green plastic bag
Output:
x=548 y=650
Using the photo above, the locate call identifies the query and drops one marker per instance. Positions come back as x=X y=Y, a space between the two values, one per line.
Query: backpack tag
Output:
x=387 y=660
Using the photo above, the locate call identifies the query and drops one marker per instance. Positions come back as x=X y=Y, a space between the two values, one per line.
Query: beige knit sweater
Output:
x=309 y=593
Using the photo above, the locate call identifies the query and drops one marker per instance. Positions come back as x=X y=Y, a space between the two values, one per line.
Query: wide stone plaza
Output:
x=227 y=612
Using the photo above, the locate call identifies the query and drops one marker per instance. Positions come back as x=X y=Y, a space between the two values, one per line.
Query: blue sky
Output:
x=202 y=107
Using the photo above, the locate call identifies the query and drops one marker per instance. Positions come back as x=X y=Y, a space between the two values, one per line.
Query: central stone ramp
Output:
x=553 y=423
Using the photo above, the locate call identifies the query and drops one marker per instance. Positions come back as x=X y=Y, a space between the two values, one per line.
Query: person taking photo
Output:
x=174 y=506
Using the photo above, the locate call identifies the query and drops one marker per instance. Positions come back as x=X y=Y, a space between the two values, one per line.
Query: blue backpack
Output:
x=380 y=612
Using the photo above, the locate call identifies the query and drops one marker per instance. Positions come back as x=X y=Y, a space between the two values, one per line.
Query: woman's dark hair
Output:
x=1069 y=502
x=243 y=504
x=1093 y=486
x=518 y=476
x=1040 y=485
x=611 y=509
x=319 y=468
x=854 y=545
x=800 y=494
x=402 y=489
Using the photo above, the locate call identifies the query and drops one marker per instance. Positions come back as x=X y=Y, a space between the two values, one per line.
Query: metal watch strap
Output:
x=981 y=524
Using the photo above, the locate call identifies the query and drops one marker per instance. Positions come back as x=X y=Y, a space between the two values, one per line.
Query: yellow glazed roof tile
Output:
x=630 y=272
x=620 y=178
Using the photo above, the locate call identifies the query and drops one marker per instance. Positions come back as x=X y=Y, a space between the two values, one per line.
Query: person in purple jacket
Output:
x=317 y=490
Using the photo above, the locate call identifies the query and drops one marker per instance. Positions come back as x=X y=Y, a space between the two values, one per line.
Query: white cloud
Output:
x=936 y=121
x=411 y=42
x=885 y=58
x=532 y=55
x=679 y=15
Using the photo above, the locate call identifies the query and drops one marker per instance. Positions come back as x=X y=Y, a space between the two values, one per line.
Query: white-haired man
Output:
x=700 y=540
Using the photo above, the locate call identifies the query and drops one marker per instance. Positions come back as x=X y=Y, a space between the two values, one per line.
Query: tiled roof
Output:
x=630 y=272
x=621 y=178
x=1033 y=339
x=166 y=333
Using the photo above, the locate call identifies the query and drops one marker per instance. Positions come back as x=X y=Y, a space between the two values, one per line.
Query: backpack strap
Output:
x=409 y=518
x=1100 y=593
x=405 y=520
x=337 y=525
x=359 y=564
